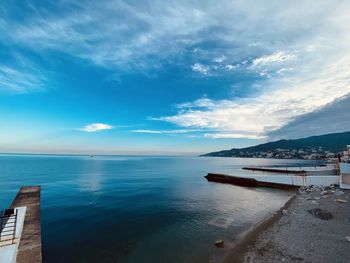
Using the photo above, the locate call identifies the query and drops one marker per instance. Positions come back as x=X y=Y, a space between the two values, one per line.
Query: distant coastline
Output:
x=311 y=148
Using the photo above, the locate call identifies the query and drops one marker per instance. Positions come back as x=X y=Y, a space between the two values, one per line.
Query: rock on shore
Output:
x=315 y=228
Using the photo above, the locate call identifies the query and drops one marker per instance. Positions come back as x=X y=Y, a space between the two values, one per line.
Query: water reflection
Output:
x=91 y=175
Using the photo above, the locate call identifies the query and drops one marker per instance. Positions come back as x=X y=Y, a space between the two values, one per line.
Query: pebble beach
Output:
x=315 y=227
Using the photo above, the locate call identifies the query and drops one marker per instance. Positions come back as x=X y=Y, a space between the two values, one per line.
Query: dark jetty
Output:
x=244 y=181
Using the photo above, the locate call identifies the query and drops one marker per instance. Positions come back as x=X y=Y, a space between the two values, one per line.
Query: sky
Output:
x=170 y=77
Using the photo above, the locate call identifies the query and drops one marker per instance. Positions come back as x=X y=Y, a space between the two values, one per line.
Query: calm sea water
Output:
x=138 y=209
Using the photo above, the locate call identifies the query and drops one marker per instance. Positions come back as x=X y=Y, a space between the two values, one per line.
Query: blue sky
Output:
x=169 y=77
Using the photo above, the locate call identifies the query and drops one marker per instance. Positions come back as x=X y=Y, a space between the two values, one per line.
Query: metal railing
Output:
x=8 y=224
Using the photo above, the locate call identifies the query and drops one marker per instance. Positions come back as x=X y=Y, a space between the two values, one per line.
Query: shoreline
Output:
x=237 y=252
x=312 y=226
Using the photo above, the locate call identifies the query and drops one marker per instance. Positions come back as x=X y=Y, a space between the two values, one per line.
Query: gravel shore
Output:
x=314 y=228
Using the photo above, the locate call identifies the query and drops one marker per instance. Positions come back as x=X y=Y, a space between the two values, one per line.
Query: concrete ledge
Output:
x=9 y=244
x=29 y=249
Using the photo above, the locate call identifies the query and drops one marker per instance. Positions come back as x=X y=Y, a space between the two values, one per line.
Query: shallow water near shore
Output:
x=139 y=209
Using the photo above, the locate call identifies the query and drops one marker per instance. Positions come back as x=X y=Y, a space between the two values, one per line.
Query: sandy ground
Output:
x=314 y=228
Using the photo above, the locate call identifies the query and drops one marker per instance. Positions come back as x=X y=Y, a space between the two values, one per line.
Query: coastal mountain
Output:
x=314 y=147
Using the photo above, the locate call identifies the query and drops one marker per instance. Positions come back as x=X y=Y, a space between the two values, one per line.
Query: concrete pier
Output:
x=29 y=249
x=275 y=170
x=245 y=181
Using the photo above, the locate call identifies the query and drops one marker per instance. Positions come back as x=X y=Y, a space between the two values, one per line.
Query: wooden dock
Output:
x=29 y=250
x=244 y=181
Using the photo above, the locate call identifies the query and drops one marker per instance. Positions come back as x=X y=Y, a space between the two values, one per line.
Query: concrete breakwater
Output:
x=244 y=181
x=275 y=170
x=26 y=242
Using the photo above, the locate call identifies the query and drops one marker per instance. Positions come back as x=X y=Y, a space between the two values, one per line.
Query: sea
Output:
x=133 y=209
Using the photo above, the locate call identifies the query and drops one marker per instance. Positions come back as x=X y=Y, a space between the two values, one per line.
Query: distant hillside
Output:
x=299 y=148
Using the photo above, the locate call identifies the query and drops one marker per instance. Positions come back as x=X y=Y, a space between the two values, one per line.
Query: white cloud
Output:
x=203 y=102
x=284 y=70
x=200 y=68
x=232 y=136
x=216 y=69
x=164 y=131
x=219 y=59
x=231 y=67
x=93 y=127
x=276 y=57
x=286 y=99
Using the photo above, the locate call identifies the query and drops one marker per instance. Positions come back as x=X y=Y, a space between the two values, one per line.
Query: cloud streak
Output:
x=21 y=79
x=232 y=136
x=118 y=34
x=276 y=57
x=164 y=131
x=197 y=67
x=113 y=34
x=94 y=127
